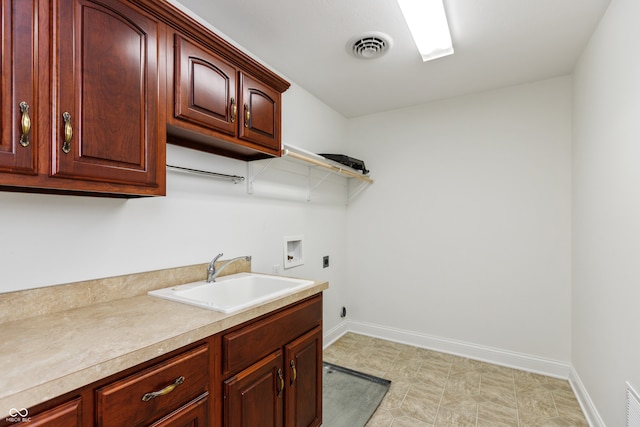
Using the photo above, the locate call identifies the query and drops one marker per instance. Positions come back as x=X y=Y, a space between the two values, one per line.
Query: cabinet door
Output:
x=261 y=114
x=254 y=397
x=303 y=361
x=18 y=98
x=65 y=415
x=105 y=112
x=205 y=88
x=193 y=414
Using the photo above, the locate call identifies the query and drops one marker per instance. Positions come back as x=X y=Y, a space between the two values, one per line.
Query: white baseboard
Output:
x=333 y=334
x=588 y=408
x=525 y=362
x=549 y=367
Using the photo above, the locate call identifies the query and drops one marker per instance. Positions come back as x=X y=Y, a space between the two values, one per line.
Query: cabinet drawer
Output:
x=67 y=414
x=121 y=403
x=252 y=342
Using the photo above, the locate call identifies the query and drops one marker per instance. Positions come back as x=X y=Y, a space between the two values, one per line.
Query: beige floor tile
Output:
x=496 y=414
x=459 y=413
x=395 y=396
x=419 y=408
x=431 y=389
x=409 y=422
x=381 y=418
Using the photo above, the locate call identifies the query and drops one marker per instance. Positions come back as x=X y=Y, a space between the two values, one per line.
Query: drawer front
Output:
x=154 y=392
x=245 y=346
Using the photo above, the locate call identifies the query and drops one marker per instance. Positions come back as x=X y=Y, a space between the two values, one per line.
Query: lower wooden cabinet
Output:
x=303 y=396
x=264 y=373
x=279 y=391
x=254 y=397
x=283 y=388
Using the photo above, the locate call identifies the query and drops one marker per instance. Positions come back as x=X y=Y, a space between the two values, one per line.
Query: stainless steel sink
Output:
x=233 y=292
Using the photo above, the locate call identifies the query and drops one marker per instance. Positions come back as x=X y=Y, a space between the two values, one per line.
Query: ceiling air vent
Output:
x=369 y=45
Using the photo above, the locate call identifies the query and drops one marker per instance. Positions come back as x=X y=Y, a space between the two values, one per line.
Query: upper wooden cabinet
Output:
x=18 y=90
x=87 y=74
x=215 y=104
x=260 y=114
x=92 y=90
x=105 y=118
x=204 y=89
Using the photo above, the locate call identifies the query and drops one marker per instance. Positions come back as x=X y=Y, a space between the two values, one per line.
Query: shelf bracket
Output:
x=352 y=195
x=252 y=177
x=313 y=187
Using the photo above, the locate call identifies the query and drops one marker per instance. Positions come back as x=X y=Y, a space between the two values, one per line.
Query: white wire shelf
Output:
x=313 y=161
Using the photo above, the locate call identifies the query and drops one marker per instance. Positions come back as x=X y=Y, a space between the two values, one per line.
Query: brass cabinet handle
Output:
x=234 y=110
x=68 y=132
x=294 y=373
x=281 y=382
x=247 y=115
x=168 y=389
x=25 y=123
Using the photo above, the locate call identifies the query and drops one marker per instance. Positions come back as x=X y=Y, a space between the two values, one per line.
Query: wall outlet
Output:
x=276 y=269
x=325 y=261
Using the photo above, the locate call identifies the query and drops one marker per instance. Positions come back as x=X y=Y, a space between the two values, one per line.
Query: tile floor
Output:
x=432 y=389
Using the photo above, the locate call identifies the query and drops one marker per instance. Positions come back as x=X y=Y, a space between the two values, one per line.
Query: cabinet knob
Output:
x=25 y=123
x=68 y=132
x=247 y=116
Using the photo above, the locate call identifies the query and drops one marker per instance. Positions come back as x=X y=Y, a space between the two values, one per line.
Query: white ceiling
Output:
x=497 y=43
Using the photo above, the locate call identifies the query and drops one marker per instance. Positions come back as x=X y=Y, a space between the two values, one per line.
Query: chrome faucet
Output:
x=212 y=272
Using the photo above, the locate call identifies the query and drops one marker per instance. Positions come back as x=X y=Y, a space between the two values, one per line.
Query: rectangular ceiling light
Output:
x=427 y=22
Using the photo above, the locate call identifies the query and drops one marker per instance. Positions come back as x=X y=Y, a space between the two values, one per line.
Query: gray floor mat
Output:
x=349 y=398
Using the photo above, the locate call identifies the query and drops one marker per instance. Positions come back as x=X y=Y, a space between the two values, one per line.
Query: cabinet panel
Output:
x=18 y=90
x=261 y=113
x=252 y=342
x=205 y=88
x=303 y=360
x=254 y=396
x=67 y=415
x=188 y=373
x=193 y=414
x=105 y=116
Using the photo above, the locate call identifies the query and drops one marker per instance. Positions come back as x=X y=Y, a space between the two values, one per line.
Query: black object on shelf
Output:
x=353 y=163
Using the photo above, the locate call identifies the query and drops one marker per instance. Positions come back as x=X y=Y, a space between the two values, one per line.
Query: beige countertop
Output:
x=51 y=354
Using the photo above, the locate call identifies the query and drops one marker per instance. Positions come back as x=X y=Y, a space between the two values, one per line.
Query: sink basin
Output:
x=233 y=292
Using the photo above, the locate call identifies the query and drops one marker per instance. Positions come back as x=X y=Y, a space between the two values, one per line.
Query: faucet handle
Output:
x=212 y=266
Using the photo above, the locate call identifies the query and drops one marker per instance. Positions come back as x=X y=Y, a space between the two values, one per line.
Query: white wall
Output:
x=465 y=234
x=606 y=212
x=50 y=239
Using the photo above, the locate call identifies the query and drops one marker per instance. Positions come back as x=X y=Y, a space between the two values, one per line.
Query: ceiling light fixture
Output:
x=427 y=22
